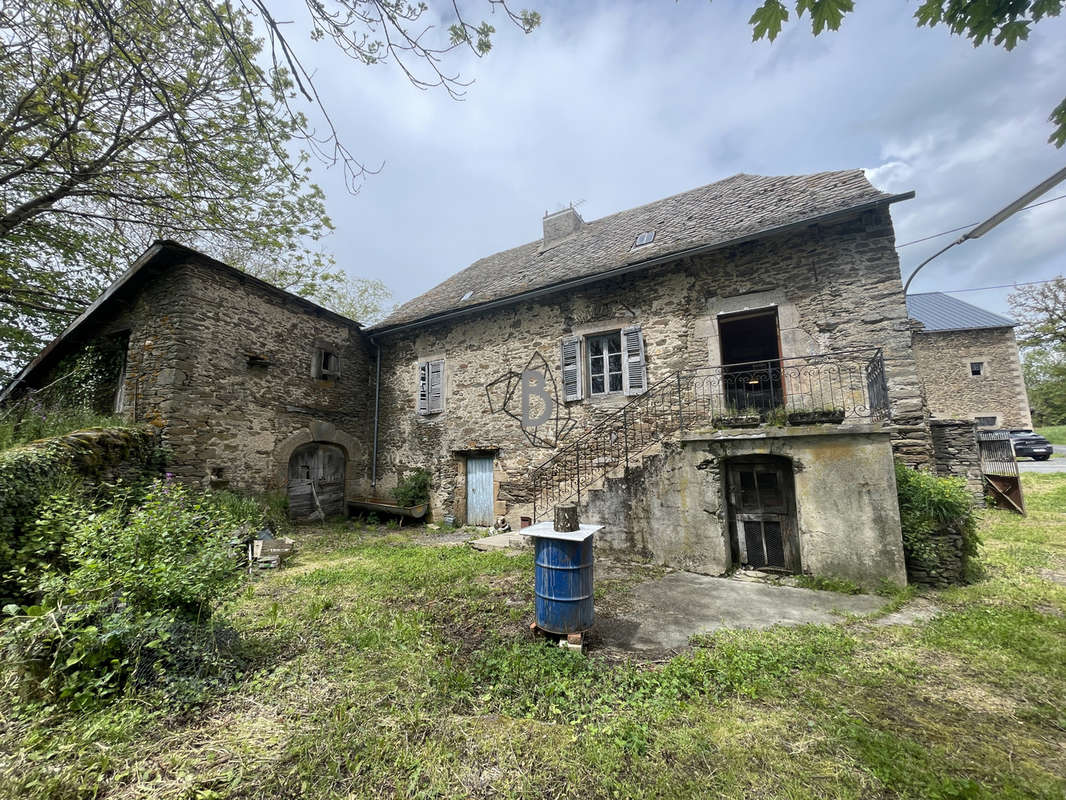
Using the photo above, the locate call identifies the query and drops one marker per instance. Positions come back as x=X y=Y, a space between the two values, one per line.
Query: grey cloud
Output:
x=619 y=104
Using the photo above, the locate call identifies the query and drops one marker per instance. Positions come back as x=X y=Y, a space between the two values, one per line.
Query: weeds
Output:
x=383 y=668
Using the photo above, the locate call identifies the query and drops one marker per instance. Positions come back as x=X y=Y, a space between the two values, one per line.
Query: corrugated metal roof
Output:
x=942 y=312
x=726 y=211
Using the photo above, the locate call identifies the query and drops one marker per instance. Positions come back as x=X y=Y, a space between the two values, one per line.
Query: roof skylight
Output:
x=466 y=296
x=644 y=238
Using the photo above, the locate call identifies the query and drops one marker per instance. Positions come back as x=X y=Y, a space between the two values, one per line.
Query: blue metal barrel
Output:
x=563 y=584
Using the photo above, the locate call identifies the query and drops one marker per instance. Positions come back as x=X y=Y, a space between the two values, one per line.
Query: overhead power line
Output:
x=999 y=286
x=970 y=225
x=1003 y=214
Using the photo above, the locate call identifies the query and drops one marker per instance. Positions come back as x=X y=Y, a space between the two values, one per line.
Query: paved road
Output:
x=1051 y=465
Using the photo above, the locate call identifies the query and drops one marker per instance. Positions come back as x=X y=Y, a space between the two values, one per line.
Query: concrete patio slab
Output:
x=668 y=610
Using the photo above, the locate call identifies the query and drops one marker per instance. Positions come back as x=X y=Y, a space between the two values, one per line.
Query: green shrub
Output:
x=132 y=602
x=39 y=472
x=931 y=510
x=413 y=488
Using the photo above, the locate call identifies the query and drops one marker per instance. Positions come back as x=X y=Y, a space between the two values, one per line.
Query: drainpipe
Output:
x=377 y=398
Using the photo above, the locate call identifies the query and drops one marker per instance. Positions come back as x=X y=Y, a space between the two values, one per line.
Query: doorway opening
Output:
x=480 y=497
x=316 y=481
x=751 y=361
x=762 y=513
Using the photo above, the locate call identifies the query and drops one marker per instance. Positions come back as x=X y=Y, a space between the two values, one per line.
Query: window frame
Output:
x=607 y=372
x=320 y=370
x=981 y=371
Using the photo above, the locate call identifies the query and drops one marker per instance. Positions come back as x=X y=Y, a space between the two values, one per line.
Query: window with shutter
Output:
x=571 y=368
x=326 y=364
x=431 y=387
x=635 y=373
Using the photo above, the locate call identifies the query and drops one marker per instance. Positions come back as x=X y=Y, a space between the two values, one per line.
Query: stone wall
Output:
x=222 y=367
x=834 y=288
x=673 y=508
x=956 y=453
x=241 y=384
x=944 y=358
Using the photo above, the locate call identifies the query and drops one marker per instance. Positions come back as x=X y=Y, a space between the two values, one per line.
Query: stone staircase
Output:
x=596 y=498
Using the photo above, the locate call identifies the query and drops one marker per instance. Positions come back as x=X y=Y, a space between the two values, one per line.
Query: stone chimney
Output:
x=561 y=223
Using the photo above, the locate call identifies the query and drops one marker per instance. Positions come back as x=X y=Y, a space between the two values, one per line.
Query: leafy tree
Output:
x=1004 y=23
x=361 y=299
x=1045 y=380
x=125 y=122
x=128 y=126
x=1041 y=311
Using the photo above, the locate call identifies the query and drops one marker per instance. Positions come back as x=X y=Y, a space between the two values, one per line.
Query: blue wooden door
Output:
x=479 y=499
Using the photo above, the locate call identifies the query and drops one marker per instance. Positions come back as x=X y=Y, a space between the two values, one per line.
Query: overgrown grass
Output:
x=383 y=668
x=1056 y=434
x=31 y=427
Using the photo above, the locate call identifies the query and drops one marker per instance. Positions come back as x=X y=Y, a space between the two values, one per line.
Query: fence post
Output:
x=625 y=435
x=680 y=414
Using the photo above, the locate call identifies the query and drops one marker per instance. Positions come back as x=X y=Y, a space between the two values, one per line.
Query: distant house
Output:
x=721 y=377
x=969 y=362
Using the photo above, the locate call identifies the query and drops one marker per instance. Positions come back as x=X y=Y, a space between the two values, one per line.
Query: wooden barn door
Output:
x=763 y=513
x=316 y=481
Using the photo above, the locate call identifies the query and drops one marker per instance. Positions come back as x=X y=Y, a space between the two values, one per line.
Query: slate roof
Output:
x=161 y=254
x=732 y=210
x=941 y=312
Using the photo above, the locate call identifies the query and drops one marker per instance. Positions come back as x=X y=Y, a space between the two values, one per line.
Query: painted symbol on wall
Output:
x=531 y=397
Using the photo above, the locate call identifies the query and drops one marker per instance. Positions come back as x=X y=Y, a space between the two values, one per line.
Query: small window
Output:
x=985 y=422
x=466 y=296
x=326 y=365
x=431 y=387
x=644 y=238
x=605 y=363
x=977 y=368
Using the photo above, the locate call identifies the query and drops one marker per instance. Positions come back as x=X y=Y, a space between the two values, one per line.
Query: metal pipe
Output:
x=377 y=399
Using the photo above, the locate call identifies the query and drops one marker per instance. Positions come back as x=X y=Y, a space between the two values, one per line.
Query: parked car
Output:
x=1027 y=443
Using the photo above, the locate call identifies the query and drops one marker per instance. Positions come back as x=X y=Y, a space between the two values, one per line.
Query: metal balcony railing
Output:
x=843 y=386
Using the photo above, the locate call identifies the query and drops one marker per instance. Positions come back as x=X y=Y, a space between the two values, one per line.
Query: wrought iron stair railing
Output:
x=843 y=386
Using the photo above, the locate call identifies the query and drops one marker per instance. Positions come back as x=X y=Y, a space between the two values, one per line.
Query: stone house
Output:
x=968 y=362
x=721 y=377
x=240 y=376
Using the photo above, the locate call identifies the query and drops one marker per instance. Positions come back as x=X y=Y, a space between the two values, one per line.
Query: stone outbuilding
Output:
x=721 y=378
x=968 y=361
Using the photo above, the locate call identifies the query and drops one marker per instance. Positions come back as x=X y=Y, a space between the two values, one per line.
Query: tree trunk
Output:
x=566 y=518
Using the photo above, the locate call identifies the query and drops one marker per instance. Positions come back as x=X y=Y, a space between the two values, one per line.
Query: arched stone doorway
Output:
x=316 y=434
x=316 y=481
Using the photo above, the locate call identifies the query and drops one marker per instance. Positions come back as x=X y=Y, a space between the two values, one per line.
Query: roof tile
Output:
x=719 y=212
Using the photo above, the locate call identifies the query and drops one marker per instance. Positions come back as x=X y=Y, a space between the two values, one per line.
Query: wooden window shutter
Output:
x=423 y=388
x=635 y=374
x=571 y=368
x=436 y=386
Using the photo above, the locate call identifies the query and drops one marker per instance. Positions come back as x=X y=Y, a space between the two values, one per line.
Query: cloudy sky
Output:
x=617 y=104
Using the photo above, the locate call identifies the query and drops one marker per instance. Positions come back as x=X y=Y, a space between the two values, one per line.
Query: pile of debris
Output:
x=267 y=552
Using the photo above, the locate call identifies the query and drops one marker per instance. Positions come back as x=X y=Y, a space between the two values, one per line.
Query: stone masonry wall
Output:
x=226 y=420
x=192 y=328
x=944 y=358
x=672 y=509
x=835 y=288
x=956 y=453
